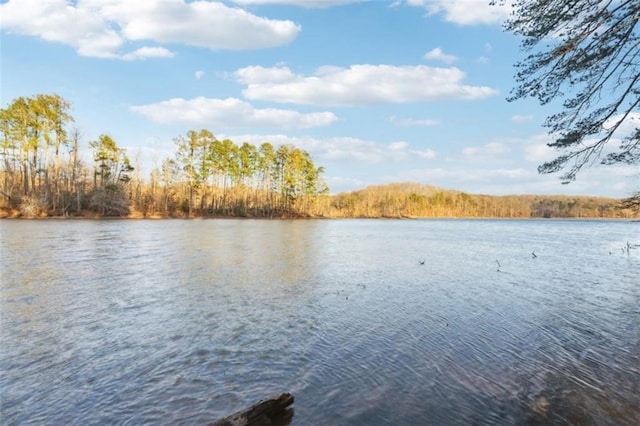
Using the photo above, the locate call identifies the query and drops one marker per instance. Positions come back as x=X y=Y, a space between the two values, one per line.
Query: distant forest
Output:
x=416 y=200
x=43 y=175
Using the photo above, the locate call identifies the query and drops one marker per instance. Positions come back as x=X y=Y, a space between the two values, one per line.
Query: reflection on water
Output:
x=169 y=322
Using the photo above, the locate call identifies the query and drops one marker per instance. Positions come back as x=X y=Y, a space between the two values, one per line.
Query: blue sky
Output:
x=376 y=91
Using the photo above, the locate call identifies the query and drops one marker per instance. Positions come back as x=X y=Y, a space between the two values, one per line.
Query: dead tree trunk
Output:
x=272 y=411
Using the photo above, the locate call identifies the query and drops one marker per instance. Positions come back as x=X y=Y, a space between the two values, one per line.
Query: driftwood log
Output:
x=272 y=411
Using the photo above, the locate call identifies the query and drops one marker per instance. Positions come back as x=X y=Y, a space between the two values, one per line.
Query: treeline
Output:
x=415 y=200
x=42 y=173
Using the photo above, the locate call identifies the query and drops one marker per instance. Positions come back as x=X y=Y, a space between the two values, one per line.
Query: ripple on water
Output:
x=185 y=321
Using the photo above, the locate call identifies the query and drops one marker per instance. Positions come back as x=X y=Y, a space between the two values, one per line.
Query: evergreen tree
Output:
x=112 y=169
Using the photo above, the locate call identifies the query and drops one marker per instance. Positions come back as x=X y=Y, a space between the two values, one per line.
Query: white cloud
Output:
x=493 y=151
x=539 y=153
x=482 y=60
x=439 y=55
x=412 y=122
x=533 y=149
x=426 y=154
x=464 y=12
x=311 y=4
x=360 y=85
x=199 y=74
x=57 y=21
x=627 y=125
x=100 y=28
x=148 y=52
x=401 y=151
x=202 y=23
x=229 y=113
x=521 y=118
x=263 y=75
x=398 y=146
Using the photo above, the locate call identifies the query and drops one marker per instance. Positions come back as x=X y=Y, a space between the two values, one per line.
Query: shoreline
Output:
x=230 y=217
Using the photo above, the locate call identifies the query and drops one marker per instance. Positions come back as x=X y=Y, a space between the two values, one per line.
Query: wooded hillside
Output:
x=415 y=200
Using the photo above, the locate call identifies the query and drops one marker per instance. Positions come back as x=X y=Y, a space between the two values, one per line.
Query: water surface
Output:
x=183 y=322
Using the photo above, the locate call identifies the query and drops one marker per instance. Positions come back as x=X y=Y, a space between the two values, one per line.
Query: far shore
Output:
x=15 y=215
x=89 y=215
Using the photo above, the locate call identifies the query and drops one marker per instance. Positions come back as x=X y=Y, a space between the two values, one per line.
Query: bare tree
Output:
x=585 y=53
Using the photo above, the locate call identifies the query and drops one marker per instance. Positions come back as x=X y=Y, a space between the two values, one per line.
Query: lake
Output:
x=186 y=321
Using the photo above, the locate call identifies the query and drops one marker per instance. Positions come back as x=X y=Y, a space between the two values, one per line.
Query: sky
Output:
x=376 y=91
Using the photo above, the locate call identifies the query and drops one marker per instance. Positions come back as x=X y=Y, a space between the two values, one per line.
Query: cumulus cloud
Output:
x=438 y=55
x=359 y=85
x=229 y=113
x=464 y=12
x=57 y=21
x=264 y=75
x=148 y=52
x=201 y=23
x=100 y=28
x=199 y=74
